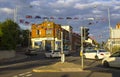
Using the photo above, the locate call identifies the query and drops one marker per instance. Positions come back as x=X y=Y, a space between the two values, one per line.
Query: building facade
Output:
x=46 y=36
x=76 y=42
x=114 y=39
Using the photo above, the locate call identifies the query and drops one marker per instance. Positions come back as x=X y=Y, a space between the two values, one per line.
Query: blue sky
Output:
x=82 y=9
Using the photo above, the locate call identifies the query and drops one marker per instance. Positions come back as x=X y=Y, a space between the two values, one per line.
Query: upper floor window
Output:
x=38 y=32
x=48 y=32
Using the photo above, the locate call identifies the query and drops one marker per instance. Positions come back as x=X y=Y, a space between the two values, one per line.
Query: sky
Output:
x=89 y=13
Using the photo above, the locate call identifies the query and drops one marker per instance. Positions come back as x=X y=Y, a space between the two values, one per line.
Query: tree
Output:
x=26 y=37
x=9 y=35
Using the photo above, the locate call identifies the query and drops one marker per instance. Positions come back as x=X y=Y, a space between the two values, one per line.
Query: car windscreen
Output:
x=102 y=51
x=117 y=54
x=90 y=51
x=56 y=51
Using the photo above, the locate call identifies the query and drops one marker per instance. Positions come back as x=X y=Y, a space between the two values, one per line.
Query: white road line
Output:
x=29 y=75
x=24 y=73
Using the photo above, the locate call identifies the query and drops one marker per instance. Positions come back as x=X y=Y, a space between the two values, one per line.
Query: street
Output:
x=25 y=67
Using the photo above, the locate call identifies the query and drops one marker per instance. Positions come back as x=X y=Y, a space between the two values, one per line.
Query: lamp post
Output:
x=109 y=29
x=16 y=12
x=15 y=20
x=109 y=18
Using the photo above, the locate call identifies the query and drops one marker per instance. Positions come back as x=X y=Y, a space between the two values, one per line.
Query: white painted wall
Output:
x=115 y=33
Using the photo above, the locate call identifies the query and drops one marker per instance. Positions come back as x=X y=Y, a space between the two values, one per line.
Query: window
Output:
x=38 y=43
x=91 y=51
x=38 y=32
x=48 y=32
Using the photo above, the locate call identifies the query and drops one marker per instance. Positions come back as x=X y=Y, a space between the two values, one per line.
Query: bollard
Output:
x=62 y=58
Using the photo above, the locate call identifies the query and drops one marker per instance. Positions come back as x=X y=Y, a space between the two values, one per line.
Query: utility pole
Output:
x=54 y=38
x=15 y=14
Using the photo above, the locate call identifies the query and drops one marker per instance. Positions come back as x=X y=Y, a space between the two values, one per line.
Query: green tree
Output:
x=9 y=35
x=1 y=30
x=25 y=38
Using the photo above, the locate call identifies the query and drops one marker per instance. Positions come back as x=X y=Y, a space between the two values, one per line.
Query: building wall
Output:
x=115 y=33
x=69 y=29
x=76 y=42
x=114 y=39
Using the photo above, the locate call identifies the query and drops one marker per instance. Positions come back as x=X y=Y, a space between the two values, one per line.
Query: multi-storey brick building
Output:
x=46 y=35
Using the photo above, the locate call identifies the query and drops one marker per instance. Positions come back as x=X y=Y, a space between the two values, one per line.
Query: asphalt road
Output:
x=24 y=68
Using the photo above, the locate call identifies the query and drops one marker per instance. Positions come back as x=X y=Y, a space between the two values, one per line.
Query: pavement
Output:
x=17 y=58
x=59 y=67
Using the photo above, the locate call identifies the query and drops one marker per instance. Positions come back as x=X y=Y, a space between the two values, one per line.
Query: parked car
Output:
x=31 y=51
x=112 y=61
x=53 y=53
x=96 y=53
x=66 y=52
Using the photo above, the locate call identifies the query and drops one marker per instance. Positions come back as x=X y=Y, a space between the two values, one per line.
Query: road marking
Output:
x=24 y=73
x=29 y=75
x=46 y=70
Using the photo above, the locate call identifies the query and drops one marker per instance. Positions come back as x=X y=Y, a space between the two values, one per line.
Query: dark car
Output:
x=31 y=51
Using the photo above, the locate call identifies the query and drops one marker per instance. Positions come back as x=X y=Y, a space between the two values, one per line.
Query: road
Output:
x=24 y=68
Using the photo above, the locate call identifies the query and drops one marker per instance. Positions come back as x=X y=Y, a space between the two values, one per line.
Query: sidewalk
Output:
x=59 y=67
x=12 y=60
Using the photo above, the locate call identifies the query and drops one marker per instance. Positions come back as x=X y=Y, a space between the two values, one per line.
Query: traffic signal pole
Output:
x=81 y=51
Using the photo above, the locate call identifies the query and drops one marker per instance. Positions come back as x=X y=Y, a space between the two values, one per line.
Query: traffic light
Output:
x=86 y=33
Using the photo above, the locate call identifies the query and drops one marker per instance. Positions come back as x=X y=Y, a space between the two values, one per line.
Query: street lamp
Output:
x=109 y=18
x=15 y=20
x=16 y=12
x=109 y=29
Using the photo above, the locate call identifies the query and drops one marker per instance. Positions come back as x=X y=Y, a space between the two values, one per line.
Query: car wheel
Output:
x=96 y=57
x=106 y=64
x=51 y=56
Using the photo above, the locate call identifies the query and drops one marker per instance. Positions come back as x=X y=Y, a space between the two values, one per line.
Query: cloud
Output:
x=36 y=3
x=6 y=10
x=63 y=3
x=115 y=15
x=117 y=8
x=97 y=11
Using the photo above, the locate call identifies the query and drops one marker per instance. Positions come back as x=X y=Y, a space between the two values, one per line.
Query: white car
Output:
x=53 y=53
x=113 y=60
x=96 y=54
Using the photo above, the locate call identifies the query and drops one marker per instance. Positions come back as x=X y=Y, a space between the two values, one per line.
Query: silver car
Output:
x=53 y=53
